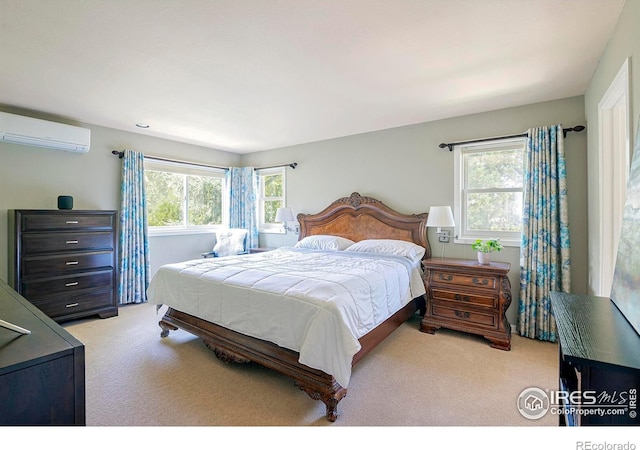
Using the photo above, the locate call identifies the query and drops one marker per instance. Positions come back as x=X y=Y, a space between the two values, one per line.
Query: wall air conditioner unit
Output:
x=24 y=130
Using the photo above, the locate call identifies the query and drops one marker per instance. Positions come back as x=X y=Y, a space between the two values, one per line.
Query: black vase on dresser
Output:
x=65 y=261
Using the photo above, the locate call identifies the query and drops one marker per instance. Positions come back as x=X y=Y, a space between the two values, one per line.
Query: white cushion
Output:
x=230 y=242
x=394 y=247
x=324 y=242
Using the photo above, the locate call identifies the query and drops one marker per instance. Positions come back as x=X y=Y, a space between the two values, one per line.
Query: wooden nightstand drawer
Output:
x=465 y=298
x=475 y=317
x=458 y=279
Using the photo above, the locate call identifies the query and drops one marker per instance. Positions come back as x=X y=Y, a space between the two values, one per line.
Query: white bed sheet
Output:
x=317 y=303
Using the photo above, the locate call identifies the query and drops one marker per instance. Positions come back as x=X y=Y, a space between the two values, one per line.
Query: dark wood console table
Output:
x=42 y=374
x=599 y=357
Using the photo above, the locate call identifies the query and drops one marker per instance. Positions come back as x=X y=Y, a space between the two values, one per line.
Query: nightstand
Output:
x=467 y=296
x=261 y=249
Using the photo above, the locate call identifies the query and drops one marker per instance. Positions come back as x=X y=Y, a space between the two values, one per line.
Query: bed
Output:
x=309 y=311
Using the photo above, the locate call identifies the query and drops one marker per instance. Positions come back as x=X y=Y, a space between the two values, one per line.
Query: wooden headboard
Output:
x=357 y=218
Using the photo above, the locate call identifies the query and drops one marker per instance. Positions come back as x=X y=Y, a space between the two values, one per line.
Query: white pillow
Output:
x=389 y=247
x=229 y=242
x=324 y=242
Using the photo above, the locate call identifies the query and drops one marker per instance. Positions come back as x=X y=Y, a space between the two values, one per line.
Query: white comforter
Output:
x=317 y=303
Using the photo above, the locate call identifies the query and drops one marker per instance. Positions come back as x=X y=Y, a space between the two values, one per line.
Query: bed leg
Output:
x=332 y=409
x=166 y=328
x=330 y=399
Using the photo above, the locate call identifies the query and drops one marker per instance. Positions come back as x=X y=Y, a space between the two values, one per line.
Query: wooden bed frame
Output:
x=356 y=218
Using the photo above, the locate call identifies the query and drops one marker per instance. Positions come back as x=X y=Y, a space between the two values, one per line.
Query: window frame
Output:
x=264 y=227
x=184 y=168
x=462 y=235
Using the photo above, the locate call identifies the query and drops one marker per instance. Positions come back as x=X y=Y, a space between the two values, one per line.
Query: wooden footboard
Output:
x=230 y=346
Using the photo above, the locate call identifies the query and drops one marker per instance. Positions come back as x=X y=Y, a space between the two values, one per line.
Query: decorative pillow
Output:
x=229 y=242
x=324 y=242
x=389 y=247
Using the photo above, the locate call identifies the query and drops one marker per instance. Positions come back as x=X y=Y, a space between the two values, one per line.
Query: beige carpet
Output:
x=136 y=378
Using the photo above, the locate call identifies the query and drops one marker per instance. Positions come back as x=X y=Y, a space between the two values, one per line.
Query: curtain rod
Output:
x=473 y=141
x=121 y=155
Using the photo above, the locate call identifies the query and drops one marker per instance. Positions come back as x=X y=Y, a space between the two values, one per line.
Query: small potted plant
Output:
x=485 y=248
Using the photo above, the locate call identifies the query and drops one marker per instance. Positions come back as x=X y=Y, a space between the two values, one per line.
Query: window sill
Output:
x=181 y=231
x=504 y=242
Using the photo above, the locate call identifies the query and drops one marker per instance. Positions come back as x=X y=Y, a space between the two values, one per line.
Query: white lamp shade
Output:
x=284 y=215
x=440 y=216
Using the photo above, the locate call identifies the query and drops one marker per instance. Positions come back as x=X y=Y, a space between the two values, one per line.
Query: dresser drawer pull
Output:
x=462 y=315
x=71 y=221
x=71 y=242
x=71 y=305
x=73 y=283
x=445 y=277
x=71 y=263
x=483 y=282
x=462 y=298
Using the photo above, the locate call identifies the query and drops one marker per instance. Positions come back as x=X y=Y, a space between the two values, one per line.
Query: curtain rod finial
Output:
x=443 y=145
x=293 y=165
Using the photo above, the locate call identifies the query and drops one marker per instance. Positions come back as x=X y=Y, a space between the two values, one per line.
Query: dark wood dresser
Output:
x=42 y=374
x=467 y=296
x=599 y=367
x=65 y=261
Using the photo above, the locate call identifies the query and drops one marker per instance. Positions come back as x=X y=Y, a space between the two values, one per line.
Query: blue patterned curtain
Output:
x=544 y=254
x=242 y=205
x=134 y=245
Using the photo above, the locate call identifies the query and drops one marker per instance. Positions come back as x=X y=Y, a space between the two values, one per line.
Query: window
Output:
x=183 y=197
x=489 y=178
x=271 y=185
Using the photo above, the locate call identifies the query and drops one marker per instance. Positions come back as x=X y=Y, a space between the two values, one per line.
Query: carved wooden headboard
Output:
x=357 y=218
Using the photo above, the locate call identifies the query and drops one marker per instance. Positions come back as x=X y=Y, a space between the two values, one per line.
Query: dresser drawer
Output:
x=76 y=304
x=34 y=290
x=465 y=298
x=41 y=266
x=34 y=244
x=70 y=221
x=458 y=279
x=486 y=319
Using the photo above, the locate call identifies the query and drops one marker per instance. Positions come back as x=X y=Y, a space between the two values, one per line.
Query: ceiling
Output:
x=252 y=75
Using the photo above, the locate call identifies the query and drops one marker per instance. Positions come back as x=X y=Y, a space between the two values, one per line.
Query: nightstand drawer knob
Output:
x=445 y=277
x=462 y=314
x=462 y=298
x=71 y=242
x=74 y=283
x=481 y=282
x=71 y=263
x=71 y=305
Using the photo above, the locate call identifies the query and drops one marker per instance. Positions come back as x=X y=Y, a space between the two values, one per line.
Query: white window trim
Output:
x=271 y=228
x=188 y=169
x=460 y=235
